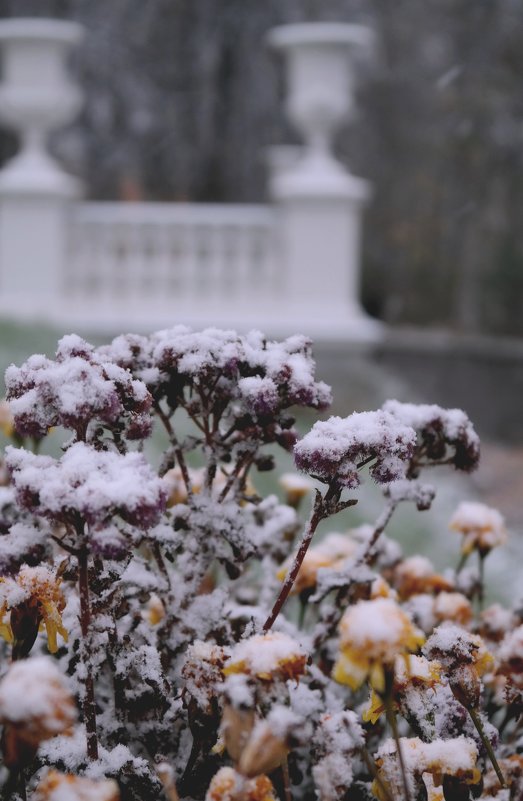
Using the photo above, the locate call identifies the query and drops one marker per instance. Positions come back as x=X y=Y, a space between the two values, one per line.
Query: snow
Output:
x=449 y=757
x=34 y=692
x=333 y=449
x=266 y=654
x=95 y=484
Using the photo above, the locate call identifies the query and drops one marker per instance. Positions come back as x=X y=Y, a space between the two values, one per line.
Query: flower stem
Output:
x=391 y=718
x=486 y=742
x=89 y=706
x=321 y=509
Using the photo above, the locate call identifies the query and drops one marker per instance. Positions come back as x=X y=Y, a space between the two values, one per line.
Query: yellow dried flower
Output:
x=268 y=657
x=372 y=634
x=455 y=757
x=482 y=527
x=409 y=670
x=35 y=705
x=331 y=552
x=56 y=786
x=296 y=487
x=228 y=785
x=35 y=600
x=416 y=575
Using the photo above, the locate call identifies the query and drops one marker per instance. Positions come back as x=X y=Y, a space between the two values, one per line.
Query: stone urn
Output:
x=36 y=97
x=319 y=61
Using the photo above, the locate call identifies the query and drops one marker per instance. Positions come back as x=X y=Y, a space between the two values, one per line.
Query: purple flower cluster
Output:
x=335 y=450
x=444 y=435
x=245 y=382
x=88 y=485
x=76 y=388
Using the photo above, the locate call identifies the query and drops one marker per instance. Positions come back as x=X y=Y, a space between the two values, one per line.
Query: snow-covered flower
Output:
x=33 y=598
x=416 y=575
x=35 y=705
x=335 y=449
x=202 y=672
x=75 y=389
x=510 y=657
x=57 y=786
x=453 y=606
x=444 y=435
x=464 y=658
x=229 y=785
x=409 y=671
x=372 y=634
x=482 y=527
x=296 y=488
x=331 y=552
x=89 y=484
x=268 y=657
x=454 y=757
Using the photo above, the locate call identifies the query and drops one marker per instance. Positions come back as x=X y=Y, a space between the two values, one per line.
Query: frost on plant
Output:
x=171 y=631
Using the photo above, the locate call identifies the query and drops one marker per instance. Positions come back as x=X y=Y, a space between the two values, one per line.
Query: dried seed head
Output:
x=35 y=705
x=57 y=786
x=228 y=785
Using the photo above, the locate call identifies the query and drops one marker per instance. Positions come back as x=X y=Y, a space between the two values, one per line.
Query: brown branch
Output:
x=89 y=705
x=177 y=449
x=322 y=508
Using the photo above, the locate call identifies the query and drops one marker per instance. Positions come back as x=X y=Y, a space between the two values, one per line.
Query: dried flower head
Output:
x=88 y=485
x=35 y=705
x=296 y=488
x=372 y=634
x=444 y=435
x=453 y=757
x=510 y=657
x=33 y=598
x=202 y=671
x=416 y=575
x=268 y=657
x=452 y=606
x=77 y=388
x=228 y=785
x=409 y=671
x=464 y=658
x=482 y=527
x=331 y=552
x=335 y=449
x=57 y=786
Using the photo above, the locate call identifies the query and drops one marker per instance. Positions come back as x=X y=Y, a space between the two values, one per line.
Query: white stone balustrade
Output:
x=289 y=266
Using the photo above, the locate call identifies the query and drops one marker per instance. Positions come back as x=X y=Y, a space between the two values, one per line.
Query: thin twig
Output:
x=391 y=718
x=89 y=706
x=488 y=745
x=321 y=509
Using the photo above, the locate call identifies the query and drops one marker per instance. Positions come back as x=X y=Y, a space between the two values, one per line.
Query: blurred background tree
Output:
x=183 y=98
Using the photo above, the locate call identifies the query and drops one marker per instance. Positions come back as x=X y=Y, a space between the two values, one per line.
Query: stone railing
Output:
x=202 y=263
x=290 y=265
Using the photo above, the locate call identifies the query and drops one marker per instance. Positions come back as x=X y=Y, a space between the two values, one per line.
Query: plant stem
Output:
x=286 y=780
x=481 y=590
x=321 y=509
x=486 y=742
x=379 y=527
x=89 y=706
x=461 y=564
x=391 y=718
